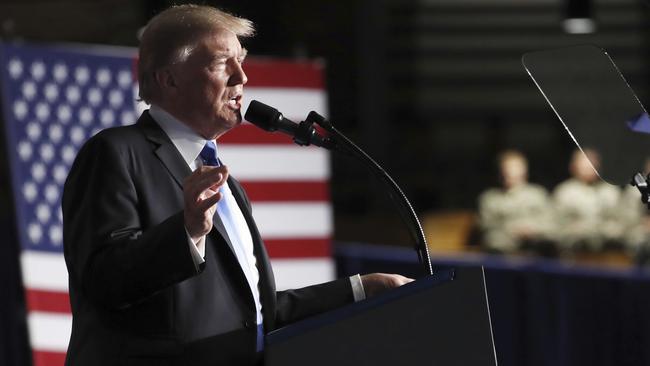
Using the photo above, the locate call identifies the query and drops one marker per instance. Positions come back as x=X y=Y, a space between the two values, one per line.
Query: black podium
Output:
x=438 y=320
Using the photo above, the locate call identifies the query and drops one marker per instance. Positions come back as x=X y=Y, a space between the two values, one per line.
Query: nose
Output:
x=238 y=75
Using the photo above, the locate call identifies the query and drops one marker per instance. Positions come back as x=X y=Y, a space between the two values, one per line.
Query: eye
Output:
x=217 y=64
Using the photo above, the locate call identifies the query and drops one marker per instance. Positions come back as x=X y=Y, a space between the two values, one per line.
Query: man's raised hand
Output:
x=201 y=194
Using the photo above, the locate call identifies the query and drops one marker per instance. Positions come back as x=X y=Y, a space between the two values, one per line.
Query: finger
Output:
x=406 y=279
x=205 y=204
x=192 y=186
x=217 y=185
x=208 y=173
x=399 y=280
x=197 y=188
x=211 y=176
x=202 y=173
x=198 y=173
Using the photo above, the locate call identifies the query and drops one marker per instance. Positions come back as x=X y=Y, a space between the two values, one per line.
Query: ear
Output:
x=166 y=81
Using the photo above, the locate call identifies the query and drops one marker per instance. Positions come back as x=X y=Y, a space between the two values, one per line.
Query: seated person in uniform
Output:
x=516 y=216
x=587 y=208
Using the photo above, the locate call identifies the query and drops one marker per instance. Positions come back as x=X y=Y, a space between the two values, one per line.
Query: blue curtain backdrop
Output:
x=543 y=312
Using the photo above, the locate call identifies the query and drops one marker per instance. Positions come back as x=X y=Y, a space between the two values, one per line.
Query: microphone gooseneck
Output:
x=270 y=119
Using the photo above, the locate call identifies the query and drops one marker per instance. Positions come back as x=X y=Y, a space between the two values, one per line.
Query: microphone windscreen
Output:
x=263 y=116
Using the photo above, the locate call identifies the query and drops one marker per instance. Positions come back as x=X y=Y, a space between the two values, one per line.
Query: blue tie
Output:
x=209 y=157
x=209 y=154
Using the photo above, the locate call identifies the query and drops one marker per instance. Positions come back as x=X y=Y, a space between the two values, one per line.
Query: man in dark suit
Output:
x=166 y=265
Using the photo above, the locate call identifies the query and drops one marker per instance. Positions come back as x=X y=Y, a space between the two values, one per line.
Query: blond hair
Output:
x=171 y=36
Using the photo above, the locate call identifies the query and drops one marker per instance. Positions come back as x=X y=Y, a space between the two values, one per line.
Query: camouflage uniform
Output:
x=588 y=215
x=634 y=217
x=503 y=214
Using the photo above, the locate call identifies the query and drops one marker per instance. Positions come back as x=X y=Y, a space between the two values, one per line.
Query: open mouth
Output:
x=235 y=102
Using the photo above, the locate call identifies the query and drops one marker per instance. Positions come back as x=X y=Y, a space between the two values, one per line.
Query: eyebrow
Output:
x=242 y=56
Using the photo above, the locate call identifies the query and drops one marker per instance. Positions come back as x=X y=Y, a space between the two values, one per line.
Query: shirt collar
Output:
x=186 y=140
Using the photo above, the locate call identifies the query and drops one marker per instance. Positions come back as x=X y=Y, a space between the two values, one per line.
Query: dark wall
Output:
x=432 y=89
x=457 y=93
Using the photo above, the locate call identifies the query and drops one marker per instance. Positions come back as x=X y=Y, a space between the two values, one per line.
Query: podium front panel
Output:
x=431 y=321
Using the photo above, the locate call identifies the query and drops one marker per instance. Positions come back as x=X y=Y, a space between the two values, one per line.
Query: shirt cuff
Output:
x=197 y=250
x=357 y=288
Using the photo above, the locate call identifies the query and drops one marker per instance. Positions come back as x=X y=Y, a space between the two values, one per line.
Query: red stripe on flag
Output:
x=50 y=301
x=293 y=191
x=284 y=74
x=298 y=248
x=249 y=134
x=44 y=358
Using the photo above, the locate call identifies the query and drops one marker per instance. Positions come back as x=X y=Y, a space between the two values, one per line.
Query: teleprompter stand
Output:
x=437 y=320
x=641 y=183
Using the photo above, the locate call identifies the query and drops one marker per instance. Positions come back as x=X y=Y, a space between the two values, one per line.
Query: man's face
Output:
x=210 y=83
x=514 y=172
x=582 y=168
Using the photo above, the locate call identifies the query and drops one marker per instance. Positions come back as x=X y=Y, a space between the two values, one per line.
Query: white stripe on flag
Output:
x=293 y=220
x=44 y=271
x=47 y=271
x=296 y=273
x=49 y=331
x=293 y=103
x=275 y=162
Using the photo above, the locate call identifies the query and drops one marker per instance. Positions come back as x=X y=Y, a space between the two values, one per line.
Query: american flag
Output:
x=56 y=97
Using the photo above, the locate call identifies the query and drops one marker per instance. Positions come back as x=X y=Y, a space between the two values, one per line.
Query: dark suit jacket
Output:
x=136 y=295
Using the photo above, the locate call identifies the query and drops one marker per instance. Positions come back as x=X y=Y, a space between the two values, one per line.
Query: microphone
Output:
x=270 y=119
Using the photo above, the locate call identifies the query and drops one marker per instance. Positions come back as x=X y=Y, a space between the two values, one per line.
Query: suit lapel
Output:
x=164 y=149
x=173 y=162
x=221 y=229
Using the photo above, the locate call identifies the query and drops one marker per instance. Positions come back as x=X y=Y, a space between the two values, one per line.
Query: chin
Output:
x=225 y=127
x=233 y=123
